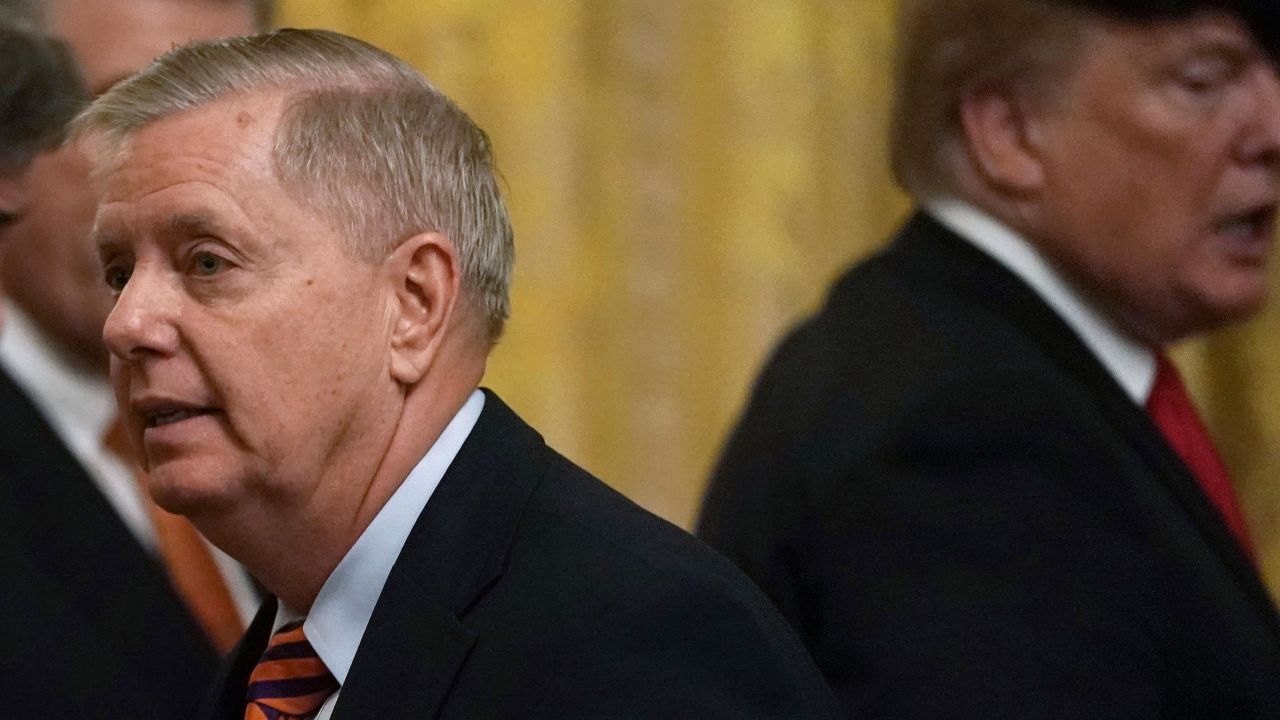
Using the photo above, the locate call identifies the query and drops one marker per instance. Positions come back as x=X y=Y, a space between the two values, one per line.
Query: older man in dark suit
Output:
x=972 y=481
x=311 y=258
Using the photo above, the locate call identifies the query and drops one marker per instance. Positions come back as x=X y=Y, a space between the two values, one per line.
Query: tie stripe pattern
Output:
x=289 y=681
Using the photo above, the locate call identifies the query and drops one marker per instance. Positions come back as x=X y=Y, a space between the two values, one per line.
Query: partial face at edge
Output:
x=249 y=350
x=1161 y=159
x=51 y=266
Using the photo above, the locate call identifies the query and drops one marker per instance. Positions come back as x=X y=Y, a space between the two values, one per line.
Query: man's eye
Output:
x=1207 y=76
x=206 y=263
x=116 y=277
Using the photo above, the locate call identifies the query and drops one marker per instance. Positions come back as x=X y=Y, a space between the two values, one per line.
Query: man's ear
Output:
x=1001 y=133
x=426 y=276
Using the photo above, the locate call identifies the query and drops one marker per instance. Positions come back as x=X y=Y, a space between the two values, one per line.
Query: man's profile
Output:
x=973 y=480
x=310 y=259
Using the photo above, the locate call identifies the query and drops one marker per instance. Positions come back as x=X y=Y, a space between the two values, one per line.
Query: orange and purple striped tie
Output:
x=289 y=681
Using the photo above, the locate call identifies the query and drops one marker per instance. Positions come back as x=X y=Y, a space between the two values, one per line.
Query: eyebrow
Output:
x=1220 y=46
x=191 y=224
x=182 y=225
x=105 y=242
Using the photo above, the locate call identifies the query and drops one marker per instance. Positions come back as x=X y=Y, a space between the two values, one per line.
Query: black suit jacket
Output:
x=528 y=589
x=965 y=516
x=90 y=626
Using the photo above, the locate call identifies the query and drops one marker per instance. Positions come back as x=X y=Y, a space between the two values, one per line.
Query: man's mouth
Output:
x=156 y=412
x=168 y=418
x=1257 y=223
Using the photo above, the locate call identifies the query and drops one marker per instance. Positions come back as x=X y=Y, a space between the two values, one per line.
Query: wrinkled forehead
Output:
x=228 y=138
x=212 y=163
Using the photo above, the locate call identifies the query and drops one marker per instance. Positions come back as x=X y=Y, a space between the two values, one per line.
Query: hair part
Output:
x=364 y=140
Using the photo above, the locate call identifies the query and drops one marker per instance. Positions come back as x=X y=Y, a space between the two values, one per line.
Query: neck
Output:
x=295 y=558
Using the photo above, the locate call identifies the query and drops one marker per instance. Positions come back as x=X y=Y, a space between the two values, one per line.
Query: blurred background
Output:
x=686 y=177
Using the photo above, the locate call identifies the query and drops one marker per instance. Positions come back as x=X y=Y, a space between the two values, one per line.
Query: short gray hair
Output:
x=365 y=140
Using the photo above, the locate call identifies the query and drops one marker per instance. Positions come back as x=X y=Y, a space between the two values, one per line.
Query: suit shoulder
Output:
x=660 y=620
x=573 y=507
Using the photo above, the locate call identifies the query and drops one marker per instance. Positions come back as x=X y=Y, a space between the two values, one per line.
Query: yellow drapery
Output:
x=685 y=179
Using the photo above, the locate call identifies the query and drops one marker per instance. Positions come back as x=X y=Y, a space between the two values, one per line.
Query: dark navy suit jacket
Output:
x=529 y=589
x=90 y=626
x=965 y=516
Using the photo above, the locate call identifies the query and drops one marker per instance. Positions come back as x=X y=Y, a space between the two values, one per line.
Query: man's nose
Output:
x=141 y=323
x=1263 y=145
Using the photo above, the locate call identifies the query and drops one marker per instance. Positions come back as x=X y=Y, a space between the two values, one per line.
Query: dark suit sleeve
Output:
x=679 y=646
x=971 y=558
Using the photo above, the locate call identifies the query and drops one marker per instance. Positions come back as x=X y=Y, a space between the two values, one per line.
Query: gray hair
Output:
x=948 y=49
x=365 y=140
x=40 y=92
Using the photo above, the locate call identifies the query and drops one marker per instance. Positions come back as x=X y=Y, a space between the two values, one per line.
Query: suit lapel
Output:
x=417 y=639
x=951 y=261
x=227 y=701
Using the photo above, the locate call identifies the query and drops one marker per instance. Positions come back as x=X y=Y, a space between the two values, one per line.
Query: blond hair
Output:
x=948 y=49
x=365 y=140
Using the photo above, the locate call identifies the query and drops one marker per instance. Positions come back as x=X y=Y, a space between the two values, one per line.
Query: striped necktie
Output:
x=290 y=681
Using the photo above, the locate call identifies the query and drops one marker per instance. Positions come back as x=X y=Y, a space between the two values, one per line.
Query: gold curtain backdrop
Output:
x=685 y=178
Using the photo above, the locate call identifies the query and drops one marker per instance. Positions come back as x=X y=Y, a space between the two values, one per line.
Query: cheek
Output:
x=302 y=375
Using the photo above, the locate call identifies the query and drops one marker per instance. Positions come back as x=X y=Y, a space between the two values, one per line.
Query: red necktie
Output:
x=290 y=680
x=1171 y=409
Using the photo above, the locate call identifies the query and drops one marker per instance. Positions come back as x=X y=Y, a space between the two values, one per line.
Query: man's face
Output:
x=1162 y=167
x=49 y=267
x=249 y=349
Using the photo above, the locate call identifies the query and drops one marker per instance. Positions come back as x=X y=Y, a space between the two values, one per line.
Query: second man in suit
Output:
x=973 y=481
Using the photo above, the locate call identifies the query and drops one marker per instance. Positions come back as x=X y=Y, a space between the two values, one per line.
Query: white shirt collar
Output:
x=74 y=400
x=341 y=612
x=1131 y=363
x=79 y=406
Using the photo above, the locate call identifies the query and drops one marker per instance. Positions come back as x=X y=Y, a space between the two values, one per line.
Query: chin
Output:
x=1242 y=301
x=189 y=491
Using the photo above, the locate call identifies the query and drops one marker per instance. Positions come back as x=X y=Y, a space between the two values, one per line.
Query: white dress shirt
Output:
x=79 y=405
x=1132 y=364
x=341 y=612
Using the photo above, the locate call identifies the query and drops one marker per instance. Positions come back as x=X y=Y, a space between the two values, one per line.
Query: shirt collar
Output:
x=341 y=612
x=1130 y=362
x=78 y=402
